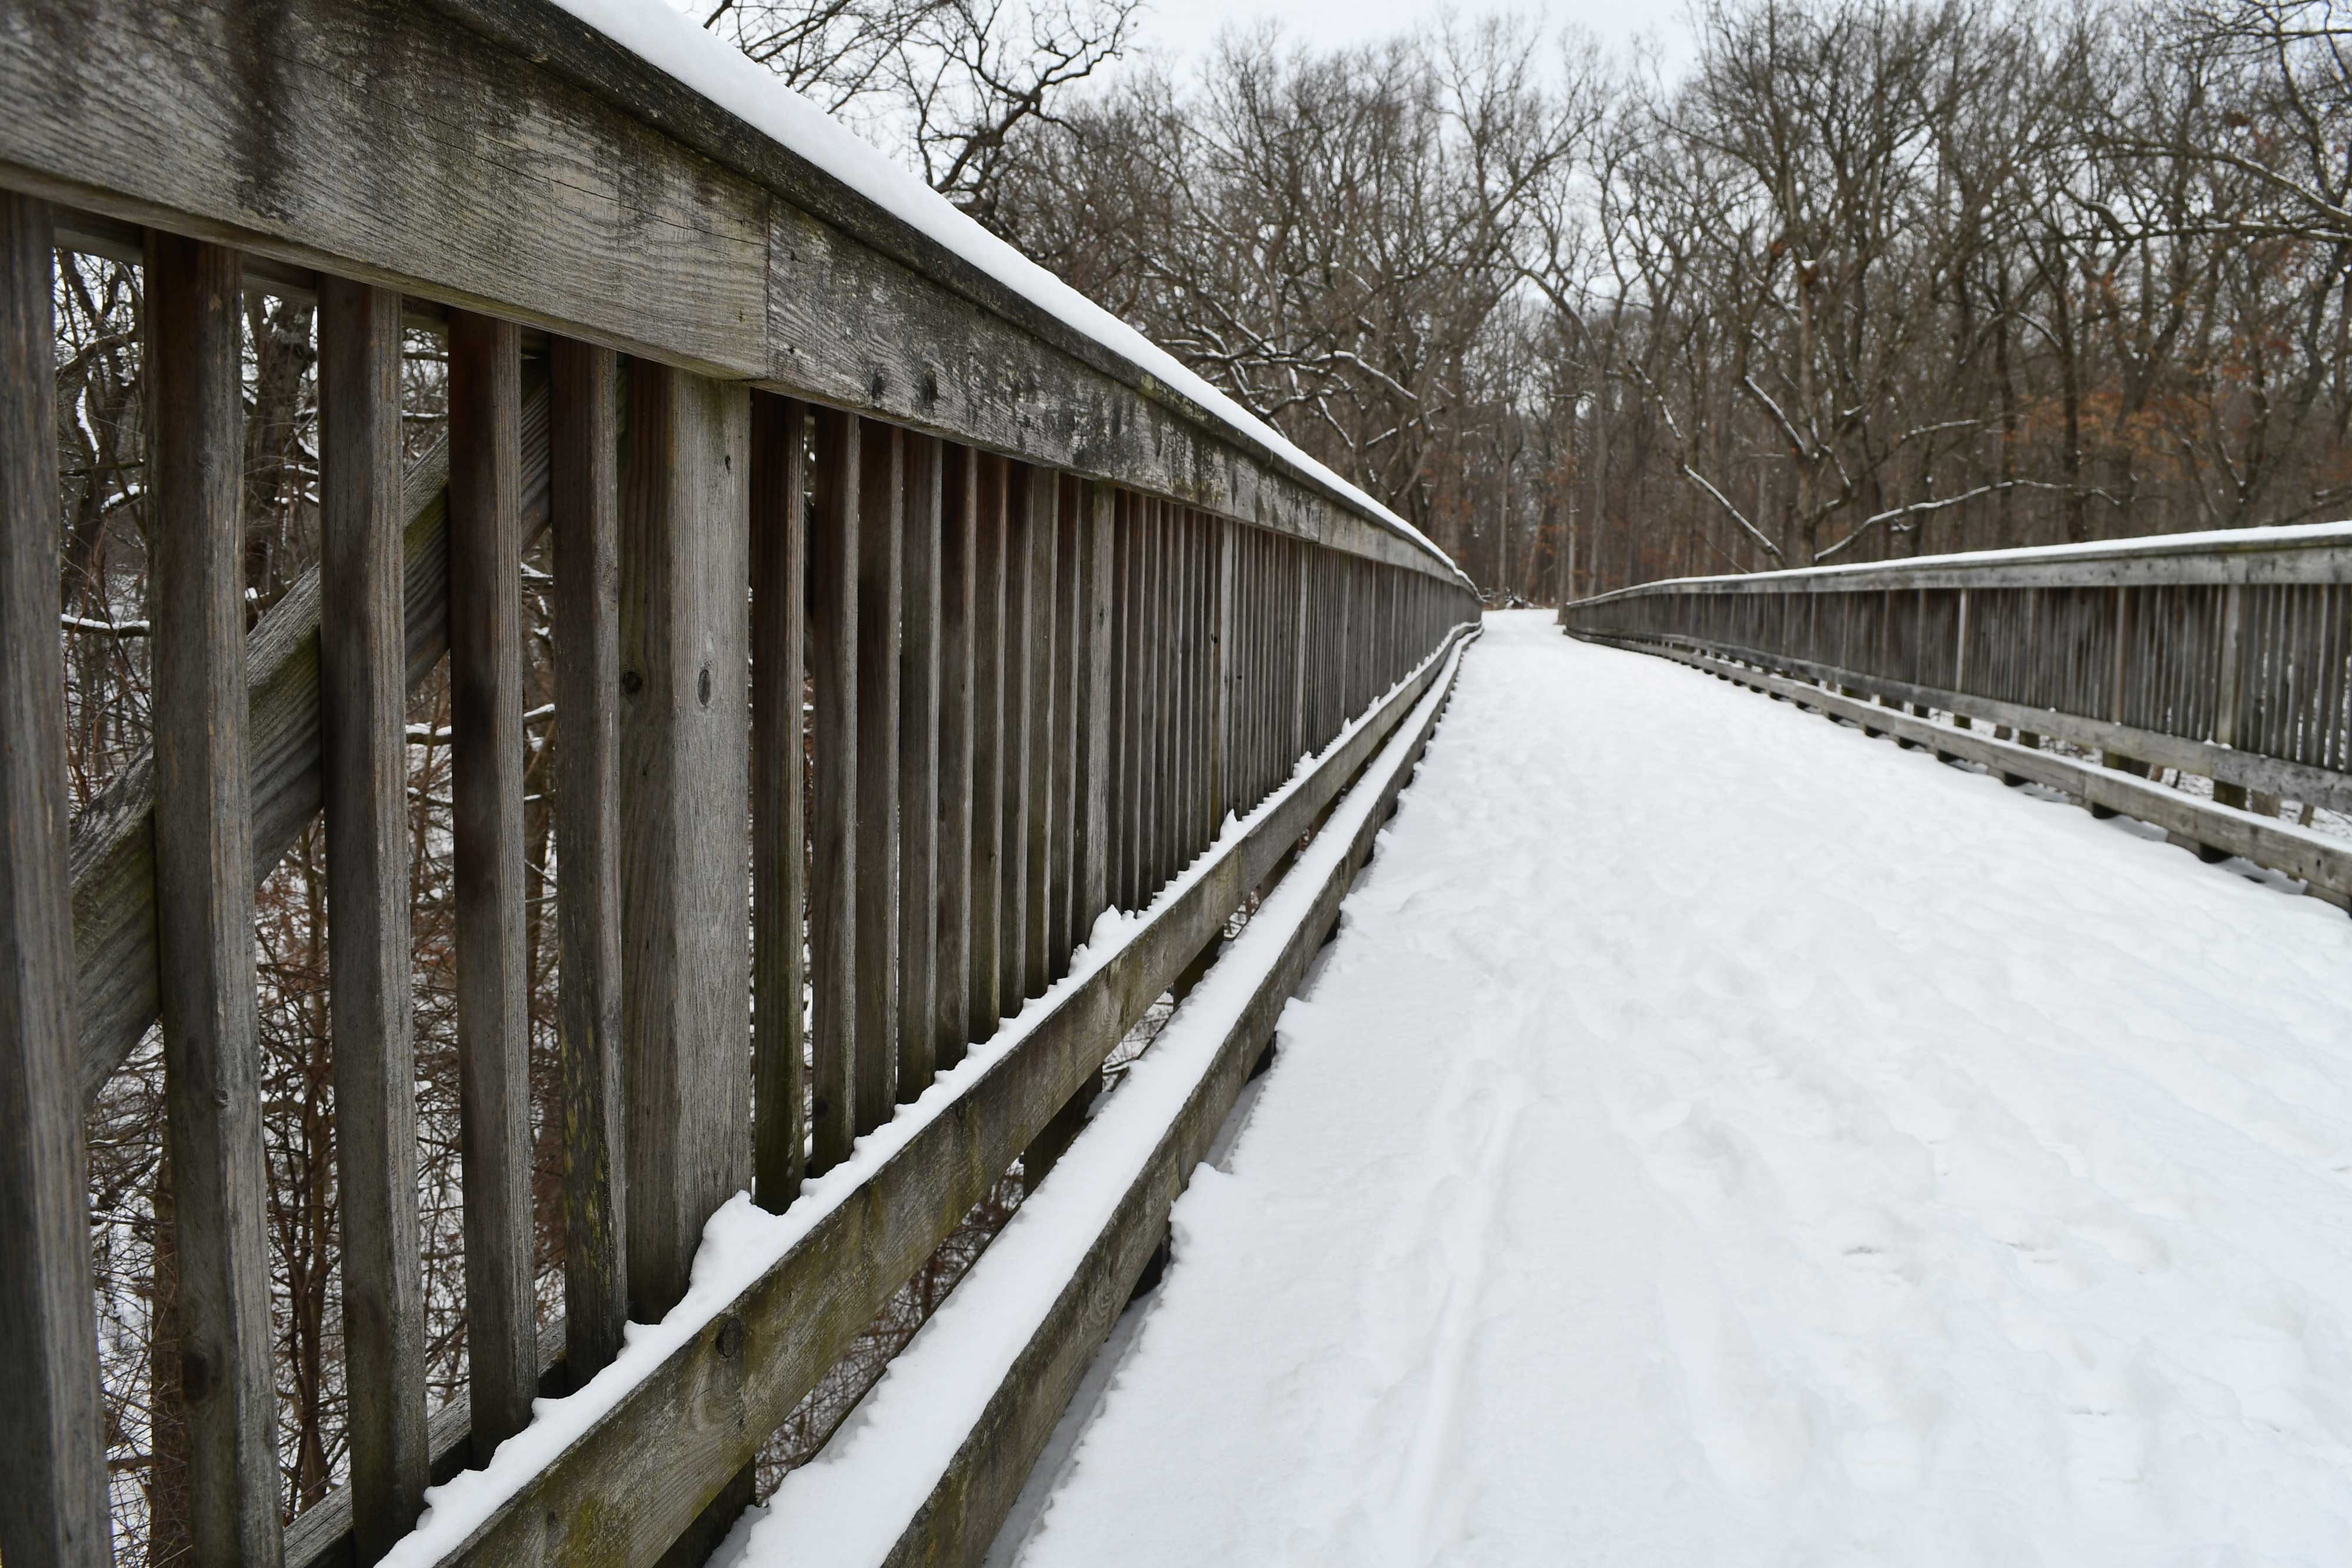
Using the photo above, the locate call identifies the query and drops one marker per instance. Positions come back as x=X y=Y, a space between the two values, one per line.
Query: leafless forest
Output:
x=1856 y=280
x=1859 y=280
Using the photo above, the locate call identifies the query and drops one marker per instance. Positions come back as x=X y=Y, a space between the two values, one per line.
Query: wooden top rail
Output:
x=2228 y=655
x=2310 y=552
x=502 y=156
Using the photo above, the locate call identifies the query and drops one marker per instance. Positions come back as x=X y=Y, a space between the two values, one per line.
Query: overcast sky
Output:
x=1184 y=28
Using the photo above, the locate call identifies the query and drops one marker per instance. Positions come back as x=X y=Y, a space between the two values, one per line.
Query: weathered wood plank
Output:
x=379 y=141
x=486 y=657
x=1224 y=720
x=1044 y=716
x=880 y=546
x=363 y=740
x=1097 y=676
x=53 y=1502
x=112 y=850
x=832 y=837
x=585 y=503
x=986 y=967
x=779 y=435
x=952 y=972
x=958 y=1521
x=919 y=772
x=620 y=1492
x=685 y=785
x=204 y=902
x=1061 y=860
x=1019 y=644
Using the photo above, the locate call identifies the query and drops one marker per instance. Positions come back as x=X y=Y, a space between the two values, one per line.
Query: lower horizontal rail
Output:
x=614 y=1473
x=2323 y=864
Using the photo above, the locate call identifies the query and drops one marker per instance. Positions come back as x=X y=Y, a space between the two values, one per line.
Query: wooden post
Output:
x=880 y=543
x=780 y=433
x=960 y=505
x=53 y=1504
x=2226 y=686
x=486 y=658
x=584 y=505
x=363 y=756
x=832 y=848
x=1961 y=656
x=204 y=900
x=685 y=794
x=918 y=772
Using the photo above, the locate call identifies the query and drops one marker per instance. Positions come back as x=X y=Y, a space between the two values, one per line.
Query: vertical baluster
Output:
x=584 y=497
x=1132 y=617
x=203 y=904
x=1043 y=536
x=919 y=772
x=2229 y=684
x=988 y=750
x=1020 y=644
x=1097 y=676
x=952 y=971
x=881 y=540
x=2334 y=749
x=1203 y=709
x=485 y=752
x=1115 y=890
x=780 y=432
x=1164 y=689
x=364 y=746
x=1148 y=778
x=1224 y=534
x=833 y=867
x=1062 y=924
x=52 y=1507
x=1180 y=699
x=1299 y=654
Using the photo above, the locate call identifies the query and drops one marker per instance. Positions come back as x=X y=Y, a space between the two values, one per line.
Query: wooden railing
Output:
x=2224 y=656
x=1054 y=622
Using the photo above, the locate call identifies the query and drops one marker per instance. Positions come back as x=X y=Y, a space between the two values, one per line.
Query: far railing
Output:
x=2221 y=655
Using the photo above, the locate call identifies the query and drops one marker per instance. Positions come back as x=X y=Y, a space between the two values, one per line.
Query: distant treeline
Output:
x=1856 y=279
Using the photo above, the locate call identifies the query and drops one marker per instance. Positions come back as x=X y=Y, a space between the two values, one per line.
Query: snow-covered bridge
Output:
x=878 y=686
x=1716 y=1137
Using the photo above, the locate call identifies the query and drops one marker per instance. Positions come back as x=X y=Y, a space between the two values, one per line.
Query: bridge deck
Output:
x=1719 y=1137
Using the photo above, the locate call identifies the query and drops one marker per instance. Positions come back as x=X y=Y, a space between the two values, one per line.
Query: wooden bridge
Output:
x=924 y=648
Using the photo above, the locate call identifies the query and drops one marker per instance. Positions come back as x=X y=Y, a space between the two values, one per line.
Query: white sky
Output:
x=1184 y=28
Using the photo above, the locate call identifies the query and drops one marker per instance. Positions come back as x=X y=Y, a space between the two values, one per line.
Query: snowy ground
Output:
x=1718 y=1138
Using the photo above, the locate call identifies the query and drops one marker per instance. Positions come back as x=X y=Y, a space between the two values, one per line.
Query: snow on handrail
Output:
x=2217 y=542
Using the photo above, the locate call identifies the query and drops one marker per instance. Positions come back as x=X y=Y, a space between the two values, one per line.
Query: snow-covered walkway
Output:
x=1718 y=1138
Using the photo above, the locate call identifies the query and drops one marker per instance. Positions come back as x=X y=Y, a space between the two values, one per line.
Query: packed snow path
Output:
x=1719 y=1138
